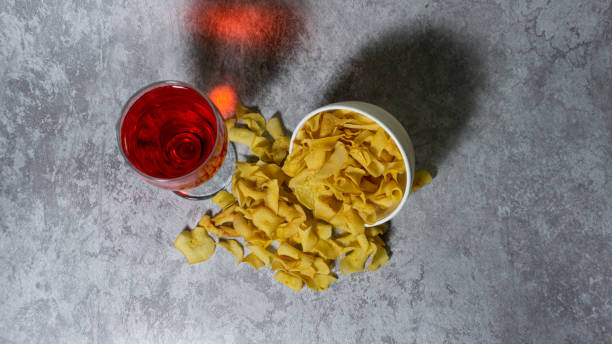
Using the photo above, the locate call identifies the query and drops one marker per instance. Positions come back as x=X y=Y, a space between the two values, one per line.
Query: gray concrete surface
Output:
x=509 y=102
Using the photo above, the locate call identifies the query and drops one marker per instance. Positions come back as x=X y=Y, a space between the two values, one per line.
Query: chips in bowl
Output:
x=346 y=169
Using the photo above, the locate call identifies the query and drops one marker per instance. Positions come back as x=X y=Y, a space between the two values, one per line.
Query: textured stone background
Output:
x=509 y=102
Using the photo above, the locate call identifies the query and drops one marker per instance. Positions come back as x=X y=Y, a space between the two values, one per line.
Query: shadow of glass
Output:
x=426 y=79
x=239 y=43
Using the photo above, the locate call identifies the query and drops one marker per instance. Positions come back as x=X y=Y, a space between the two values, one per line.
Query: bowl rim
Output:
x=354 y=106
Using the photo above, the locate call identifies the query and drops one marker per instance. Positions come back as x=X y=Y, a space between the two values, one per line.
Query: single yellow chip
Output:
x=234 y=247
x=272 y=172
x=261 y=253
x=245 y=169
x=323 y=230
x=282 y=263
x=266 y=220
x=289 y=280
x=254 y=261
x=354 y=174
x=242 y=227
x=248 y=193
x=274 y=127
x=379 y=259
x=328 y=249
x=337 y=161
x=220 y=231
x=285 y=249
x=379 y=142
x=421 y=177
x=288 y=229
x=363 y=242
x=323 y=144
x=271 y=195
x=305 y=270
x=241 y=135
x=325 y=205
x=315 y=159
x=376 y=230
x=225 y=216
x=303 y=188
x=365 y=209
x=260 y=238
x=353 y=262
x=223 y=199
x=321 y=266
x=260 y=142
x=322 y=281
x=353 y=221
x=294 y=164
x=279 y=150
x=375 y=168
x=308 y=239
x=330 y=122
x=361 y=137
x=196 y=245
x=254 y=121
x=347 y=241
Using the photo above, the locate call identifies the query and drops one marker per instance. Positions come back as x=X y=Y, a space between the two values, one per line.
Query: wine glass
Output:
x=174 y=137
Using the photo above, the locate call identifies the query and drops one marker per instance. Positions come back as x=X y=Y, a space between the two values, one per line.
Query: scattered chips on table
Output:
x=299 y=218
x=196 y=245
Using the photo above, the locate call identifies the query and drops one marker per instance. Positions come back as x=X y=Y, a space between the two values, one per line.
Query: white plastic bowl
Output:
x=393 y=127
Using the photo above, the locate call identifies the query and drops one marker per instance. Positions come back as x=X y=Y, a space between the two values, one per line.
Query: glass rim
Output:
x=128 y=105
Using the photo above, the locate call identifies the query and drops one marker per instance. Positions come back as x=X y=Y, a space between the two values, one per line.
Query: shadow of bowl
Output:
x=426 y=79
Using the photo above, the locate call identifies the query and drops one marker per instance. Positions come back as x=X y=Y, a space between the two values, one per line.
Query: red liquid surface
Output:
x=169 y=131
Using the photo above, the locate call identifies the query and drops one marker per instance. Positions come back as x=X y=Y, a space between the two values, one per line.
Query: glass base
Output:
x=218 y=182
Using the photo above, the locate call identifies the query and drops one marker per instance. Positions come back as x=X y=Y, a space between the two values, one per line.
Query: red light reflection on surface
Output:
x=225 y=99
x=248 y=25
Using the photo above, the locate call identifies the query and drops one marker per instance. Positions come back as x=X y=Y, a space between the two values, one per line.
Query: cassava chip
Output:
x=254 y=121
x=266 y=220
x=254 y=261
x=379 y=259
x=289 y=280
x=421 y=177
x=353 y=262
x=241 y=135
x=223 y=199
x=196 y=245
x=322 y=282
x=261 y=253
x=275 y=128
x=234 y=247
x=220 y=231
x=285 y=249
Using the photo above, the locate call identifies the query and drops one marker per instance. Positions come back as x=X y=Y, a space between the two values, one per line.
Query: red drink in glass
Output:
x=173 y=136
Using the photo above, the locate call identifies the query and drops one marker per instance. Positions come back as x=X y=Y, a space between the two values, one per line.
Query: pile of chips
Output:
x=299 y=218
